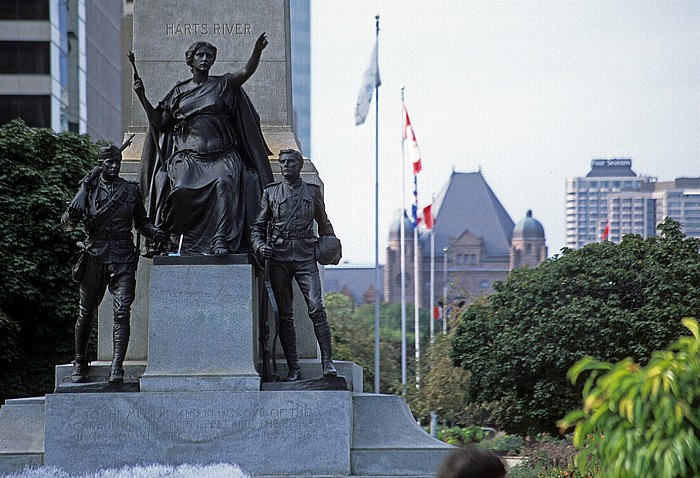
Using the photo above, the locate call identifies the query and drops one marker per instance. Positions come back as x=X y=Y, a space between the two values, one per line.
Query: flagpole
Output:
x=432 y=276
x=416 y=277
x=416 y=299
x=433 y=414
x=376 y=226
x=402 y=229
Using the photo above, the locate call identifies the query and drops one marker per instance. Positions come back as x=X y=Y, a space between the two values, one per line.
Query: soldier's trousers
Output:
x=120 y=279
x=307 y=276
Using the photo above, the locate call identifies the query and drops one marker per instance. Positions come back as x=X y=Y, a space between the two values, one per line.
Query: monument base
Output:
x=202 y=332
x=259 y=431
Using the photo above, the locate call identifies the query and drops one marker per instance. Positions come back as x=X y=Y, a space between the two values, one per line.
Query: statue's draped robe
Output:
x=202 y=175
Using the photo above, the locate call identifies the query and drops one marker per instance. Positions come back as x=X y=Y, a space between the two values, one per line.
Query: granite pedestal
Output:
x=203 y=325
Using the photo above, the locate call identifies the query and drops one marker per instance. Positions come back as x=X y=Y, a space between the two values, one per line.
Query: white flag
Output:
x=370 y=81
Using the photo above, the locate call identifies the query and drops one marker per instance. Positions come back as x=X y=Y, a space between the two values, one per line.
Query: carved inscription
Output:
x=189 y=425
x=207 y=29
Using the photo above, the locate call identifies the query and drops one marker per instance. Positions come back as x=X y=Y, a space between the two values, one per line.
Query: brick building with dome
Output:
x=476 y=244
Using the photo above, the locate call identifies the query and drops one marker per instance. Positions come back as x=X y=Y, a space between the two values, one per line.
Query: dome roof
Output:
x=528 y=228
x=395 y=228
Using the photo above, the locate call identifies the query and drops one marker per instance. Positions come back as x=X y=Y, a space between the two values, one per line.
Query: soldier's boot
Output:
x=288 y=340
x=120 y=342
x=80 y=368
x=323 y=335
x=80 y=363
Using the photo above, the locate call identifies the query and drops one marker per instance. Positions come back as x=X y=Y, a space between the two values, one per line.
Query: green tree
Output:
x=646 y=418
x=605 y=300
x=39 y=173
x=442 y=385
x=353 y=339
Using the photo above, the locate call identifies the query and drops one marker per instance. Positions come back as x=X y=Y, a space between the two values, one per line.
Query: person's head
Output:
x=291 y=161
x=110 y=159
x=200 y=51
x=471 y=462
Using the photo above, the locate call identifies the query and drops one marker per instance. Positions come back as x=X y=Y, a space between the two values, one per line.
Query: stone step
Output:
x=22 y=432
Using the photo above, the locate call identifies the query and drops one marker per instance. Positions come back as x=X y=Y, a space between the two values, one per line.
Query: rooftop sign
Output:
x=609 y=163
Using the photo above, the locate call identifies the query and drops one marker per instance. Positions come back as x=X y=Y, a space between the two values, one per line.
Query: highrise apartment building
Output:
x=613 y=195
x=60 y=65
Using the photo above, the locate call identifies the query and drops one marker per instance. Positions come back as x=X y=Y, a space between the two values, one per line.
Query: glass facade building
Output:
x=611 y=193
x=53 y=72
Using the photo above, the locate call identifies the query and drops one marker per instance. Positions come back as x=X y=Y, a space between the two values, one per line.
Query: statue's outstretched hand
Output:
x=261 y=43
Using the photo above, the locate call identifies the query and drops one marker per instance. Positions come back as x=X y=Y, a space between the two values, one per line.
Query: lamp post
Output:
x=444 y=290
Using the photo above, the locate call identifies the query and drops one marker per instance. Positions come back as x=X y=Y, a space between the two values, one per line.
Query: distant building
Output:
x=300 y=32
x=59 y=65
x=357 y=281
x=612 y=194
x=476 y=244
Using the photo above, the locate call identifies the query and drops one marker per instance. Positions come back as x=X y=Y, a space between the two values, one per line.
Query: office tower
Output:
x=613 y=197
x=589 y=206
x=59 y=65
x=300 y=20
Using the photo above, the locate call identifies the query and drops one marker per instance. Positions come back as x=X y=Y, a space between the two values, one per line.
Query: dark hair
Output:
x=471 y=462
x=189 y=54
x=293 y=152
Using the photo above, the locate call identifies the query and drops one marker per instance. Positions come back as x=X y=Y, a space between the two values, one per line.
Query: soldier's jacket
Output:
x=290 y=213
x=113 y=209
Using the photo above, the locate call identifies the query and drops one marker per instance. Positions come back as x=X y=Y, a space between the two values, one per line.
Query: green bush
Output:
x=505 y=444
x=39 y=172
x=459 y=436
x=646 y=418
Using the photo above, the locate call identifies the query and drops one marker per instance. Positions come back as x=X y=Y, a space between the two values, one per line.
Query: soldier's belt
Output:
x=295 y=235
x=113 y=236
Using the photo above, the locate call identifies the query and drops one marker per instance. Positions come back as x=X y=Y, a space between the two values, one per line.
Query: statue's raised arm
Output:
x=242 y=75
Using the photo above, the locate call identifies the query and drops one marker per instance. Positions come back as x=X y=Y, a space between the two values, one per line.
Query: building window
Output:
x=25 y=58
x=35 y=110
x=24 y=10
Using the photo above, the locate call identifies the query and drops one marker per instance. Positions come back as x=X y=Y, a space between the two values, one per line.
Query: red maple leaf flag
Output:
x=408 y=134
x=428 y=216
x=606 y=231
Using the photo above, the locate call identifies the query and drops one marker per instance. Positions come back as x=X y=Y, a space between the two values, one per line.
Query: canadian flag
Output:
x=428 y=217
x=408 y=134
x=606 y=231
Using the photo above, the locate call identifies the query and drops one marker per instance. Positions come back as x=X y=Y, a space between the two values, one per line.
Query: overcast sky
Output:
x=528 y=92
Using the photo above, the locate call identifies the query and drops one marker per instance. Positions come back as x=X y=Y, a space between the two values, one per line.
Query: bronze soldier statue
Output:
x=109 y=207
x=283 y=232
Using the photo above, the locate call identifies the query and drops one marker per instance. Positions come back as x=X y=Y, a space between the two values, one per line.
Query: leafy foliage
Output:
x=39 y=171
x=648 y=416
x=353 y=340
x=605 y=300
x=442 y=385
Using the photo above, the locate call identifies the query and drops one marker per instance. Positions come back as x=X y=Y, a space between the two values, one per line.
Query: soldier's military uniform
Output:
x=286 y=220
x=112 y=209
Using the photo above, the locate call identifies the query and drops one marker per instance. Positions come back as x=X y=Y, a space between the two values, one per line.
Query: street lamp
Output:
x=444 y=290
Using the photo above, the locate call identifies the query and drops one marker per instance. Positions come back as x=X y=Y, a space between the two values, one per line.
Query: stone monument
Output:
x=195 y=395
